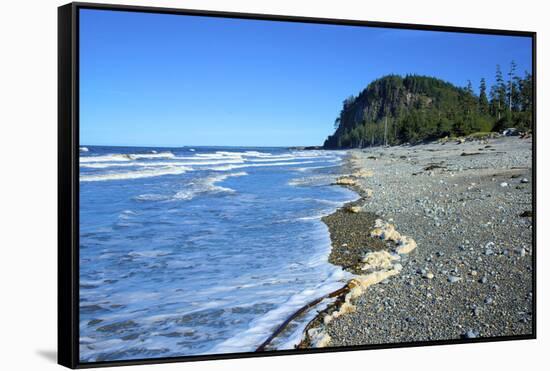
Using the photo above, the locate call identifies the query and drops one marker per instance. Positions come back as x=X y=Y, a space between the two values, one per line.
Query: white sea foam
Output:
x=289 y=158
x=204 y=161
x=125 y=157
x=104 y=165
x=320 y=214
x=314 y=217
x=151 y=197
x=142 y=173
x=105 y=158
x=248 y=154
x=84 y=149
x=206 y=185
x=219 y=154
x=262 y=327
x=330 y=279
x=231 y=167
x=152 y=155
x=312 y=181
x=304 y=169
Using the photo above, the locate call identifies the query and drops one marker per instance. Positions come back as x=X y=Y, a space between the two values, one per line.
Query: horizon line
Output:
x=193 y=146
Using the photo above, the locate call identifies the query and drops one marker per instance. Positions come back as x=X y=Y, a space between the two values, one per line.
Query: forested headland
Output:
x=394 y=110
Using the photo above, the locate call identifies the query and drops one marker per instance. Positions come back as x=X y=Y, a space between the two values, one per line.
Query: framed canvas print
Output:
x=238 y=185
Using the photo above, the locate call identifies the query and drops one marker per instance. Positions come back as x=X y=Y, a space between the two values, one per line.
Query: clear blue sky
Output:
x=170 y=80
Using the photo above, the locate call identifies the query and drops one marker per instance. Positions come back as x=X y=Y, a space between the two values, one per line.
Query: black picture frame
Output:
x=68 y=179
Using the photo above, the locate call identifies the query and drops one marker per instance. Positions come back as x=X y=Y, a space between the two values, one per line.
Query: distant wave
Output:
x=84 y=149
x=104 y=165
x=125 y=157
x=231 y=167
x=144 y=173
x=245 y=159
x=152 y=155
x=190 y=161
x=219 y=155
x=290 y=158
x=259 y=156
x=105 y=158
x=206 y=185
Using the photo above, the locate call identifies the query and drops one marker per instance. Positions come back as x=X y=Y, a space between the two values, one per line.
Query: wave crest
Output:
x=207 y=185
x=143 y=173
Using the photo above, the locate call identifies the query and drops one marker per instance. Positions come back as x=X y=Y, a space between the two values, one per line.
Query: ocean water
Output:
x=201 y=250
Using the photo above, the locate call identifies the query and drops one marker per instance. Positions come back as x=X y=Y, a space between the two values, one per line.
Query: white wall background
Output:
x=28 y=150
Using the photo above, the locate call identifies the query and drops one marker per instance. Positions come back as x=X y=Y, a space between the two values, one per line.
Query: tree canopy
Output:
x=395 y=109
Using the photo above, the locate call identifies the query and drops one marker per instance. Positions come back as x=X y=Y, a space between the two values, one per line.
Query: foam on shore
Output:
x=387 y=232
x=378 y=265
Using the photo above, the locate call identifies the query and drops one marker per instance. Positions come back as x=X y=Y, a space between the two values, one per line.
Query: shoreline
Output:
x=471 y=274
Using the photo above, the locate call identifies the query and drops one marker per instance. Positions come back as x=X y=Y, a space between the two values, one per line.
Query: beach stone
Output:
x=453 y=279
x=354 y=209
x=525 y=180
x=504 y=184
x=483 y=230
x=346 y=181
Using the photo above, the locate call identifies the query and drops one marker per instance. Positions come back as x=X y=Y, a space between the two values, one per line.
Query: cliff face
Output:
x=395 y=109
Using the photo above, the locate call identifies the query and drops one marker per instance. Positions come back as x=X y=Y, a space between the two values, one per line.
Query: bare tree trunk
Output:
x=386 y=132
x=511 y=92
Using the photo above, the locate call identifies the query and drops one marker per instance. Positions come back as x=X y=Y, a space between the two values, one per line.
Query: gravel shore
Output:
x=468 y=207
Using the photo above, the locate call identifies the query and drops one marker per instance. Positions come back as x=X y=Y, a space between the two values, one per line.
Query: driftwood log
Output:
x=305 y=308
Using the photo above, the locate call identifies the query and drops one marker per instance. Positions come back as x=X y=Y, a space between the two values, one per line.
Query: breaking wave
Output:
x=144 y=173
x=206 y=185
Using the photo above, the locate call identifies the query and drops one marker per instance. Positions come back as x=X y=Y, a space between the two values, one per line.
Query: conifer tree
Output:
x=500 y=91
x=483 y=101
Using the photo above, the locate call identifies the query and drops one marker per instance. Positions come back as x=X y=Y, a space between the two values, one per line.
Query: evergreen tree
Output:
x=526 y=92
x=510 y=91
x=483 y=101
x=493 y=105
x=410 y=109
x=500 y=92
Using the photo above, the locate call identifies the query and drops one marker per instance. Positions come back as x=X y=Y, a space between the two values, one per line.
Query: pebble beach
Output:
x=441 y=243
